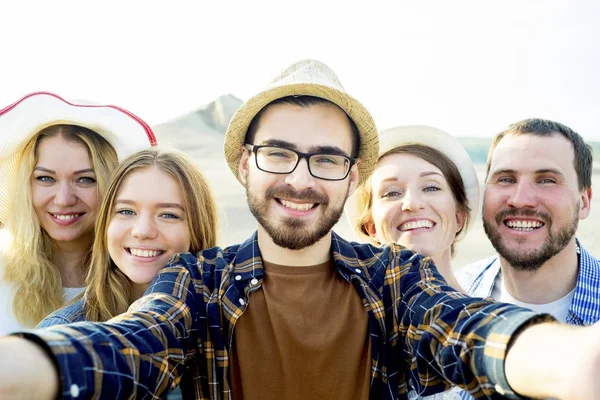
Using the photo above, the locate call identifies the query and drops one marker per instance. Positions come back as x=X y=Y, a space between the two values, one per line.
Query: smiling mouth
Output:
x=414 y=225
x=66 y=217
x=144 y=253
x=523 y=226
x=296 y=206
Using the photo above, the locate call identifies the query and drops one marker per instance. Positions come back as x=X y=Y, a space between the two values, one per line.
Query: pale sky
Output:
x=468 y=67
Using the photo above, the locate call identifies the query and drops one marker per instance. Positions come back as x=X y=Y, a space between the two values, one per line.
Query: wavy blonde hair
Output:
x=109 y=291
x=28 y=251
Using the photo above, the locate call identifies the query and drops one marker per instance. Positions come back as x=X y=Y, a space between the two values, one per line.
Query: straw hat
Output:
x=22 y=120
x=305 y=78
x=438 y=140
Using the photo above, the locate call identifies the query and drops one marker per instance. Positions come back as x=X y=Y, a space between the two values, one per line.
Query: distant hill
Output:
x=201 y=130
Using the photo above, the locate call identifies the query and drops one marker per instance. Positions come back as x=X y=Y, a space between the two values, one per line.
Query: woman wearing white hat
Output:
x=423 y=194
x=56 y=158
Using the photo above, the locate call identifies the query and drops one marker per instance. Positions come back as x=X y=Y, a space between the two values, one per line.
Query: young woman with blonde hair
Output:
x=158 y=204
x=56 y=158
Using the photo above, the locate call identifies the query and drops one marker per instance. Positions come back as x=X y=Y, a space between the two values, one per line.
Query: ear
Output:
x=354 y=176
x=586 y=203
x=370 y=228
x=461 y=217
x=243 y=165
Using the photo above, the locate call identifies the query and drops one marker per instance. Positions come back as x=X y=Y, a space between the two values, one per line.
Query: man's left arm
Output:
x=465 y=341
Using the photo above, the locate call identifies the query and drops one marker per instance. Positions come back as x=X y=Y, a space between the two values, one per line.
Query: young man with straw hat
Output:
x=297 y=312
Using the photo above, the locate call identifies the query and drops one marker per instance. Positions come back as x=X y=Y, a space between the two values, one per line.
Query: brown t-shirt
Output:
x=303 y=336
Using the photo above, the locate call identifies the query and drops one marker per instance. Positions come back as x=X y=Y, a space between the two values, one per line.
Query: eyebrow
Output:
x=78 y=172
x=313 y=149
x=160 y=205
x=537 y=171
x=421 y=175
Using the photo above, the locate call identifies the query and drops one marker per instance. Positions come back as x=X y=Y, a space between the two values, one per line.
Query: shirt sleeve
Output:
x=450 y=337
x=138 y=354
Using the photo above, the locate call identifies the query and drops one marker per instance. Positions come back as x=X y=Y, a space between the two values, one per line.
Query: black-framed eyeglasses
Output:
x=279 y=160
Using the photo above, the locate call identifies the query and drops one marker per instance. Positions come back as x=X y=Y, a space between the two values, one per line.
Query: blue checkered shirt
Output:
x=478 y=280
x=420 y=328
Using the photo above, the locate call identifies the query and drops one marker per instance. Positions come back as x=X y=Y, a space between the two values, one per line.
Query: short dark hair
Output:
x=302 y=101
x=583 y=157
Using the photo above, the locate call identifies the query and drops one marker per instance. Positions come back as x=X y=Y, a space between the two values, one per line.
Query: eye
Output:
x=125 y=212
x=274 y=152
x=431 y=188
x=547 y=180
x=327 y=159
x=44 y=178
x=391 y=194
x=168 y=215
x=506 y=180
x=87 y=180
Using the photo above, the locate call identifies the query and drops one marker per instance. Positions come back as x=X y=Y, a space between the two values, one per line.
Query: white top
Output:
x=559 y=309
x=8 y=320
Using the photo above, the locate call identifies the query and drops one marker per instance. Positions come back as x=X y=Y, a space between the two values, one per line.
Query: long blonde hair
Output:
x=28 y=251
x=109 y=291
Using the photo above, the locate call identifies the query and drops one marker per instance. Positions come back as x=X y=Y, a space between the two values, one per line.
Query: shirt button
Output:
x=242 y=302
x=500 y=390
x=254 y=281
x=358 y=271
x=238 y=277
x=74 y=391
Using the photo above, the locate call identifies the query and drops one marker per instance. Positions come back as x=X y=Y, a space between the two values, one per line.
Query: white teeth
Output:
x=145 y=253
x=423 y=223
x=296 y=206
x=524 y=225
x=65 y=217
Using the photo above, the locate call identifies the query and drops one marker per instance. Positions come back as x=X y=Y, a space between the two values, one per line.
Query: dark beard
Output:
x=534 y=260
x=292 y=233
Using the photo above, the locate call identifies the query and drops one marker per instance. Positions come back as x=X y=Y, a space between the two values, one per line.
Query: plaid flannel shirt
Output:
x=419 y=327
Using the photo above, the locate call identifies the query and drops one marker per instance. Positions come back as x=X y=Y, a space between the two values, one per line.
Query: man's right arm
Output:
x=141 y=351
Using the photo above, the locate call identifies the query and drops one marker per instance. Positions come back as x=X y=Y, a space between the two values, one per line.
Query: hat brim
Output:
x=238 y=127
x=436 y=139
x=22 y=120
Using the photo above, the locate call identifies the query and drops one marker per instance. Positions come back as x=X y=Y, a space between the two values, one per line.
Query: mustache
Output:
x=307 y=195
x=502 y=215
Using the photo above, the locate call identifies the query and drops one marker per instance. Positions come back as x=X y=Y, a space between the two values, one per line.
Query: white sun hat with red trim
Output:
x=22 y=120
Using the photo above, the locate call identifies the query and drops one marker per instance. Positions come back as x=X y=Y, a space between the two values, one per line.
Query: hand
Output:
x=25 y=371
x=556 y=360
x=583 y=376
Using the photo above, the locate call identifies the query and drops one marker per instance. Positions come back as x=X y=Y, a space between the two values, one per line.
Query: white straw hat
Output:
x=436 y=139
x=22 y=120
x=305 y=78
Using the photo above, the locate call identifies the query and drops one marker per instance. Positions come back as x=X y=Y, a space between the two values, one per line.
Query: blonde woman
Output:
x=158 y=204
x=56 y=158
x=424 y=195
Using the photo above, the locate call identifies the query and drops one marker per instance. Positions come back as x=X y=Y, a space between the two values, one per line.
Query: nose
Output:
x=411 y=201
x=522 y=195
x=143 y=228
x=65 y=195
x=300 y=178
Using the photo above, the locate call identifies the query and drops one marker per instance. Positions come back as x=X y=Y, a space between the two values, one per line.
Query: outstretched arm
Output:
x=491 y=349
x=142 y=351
